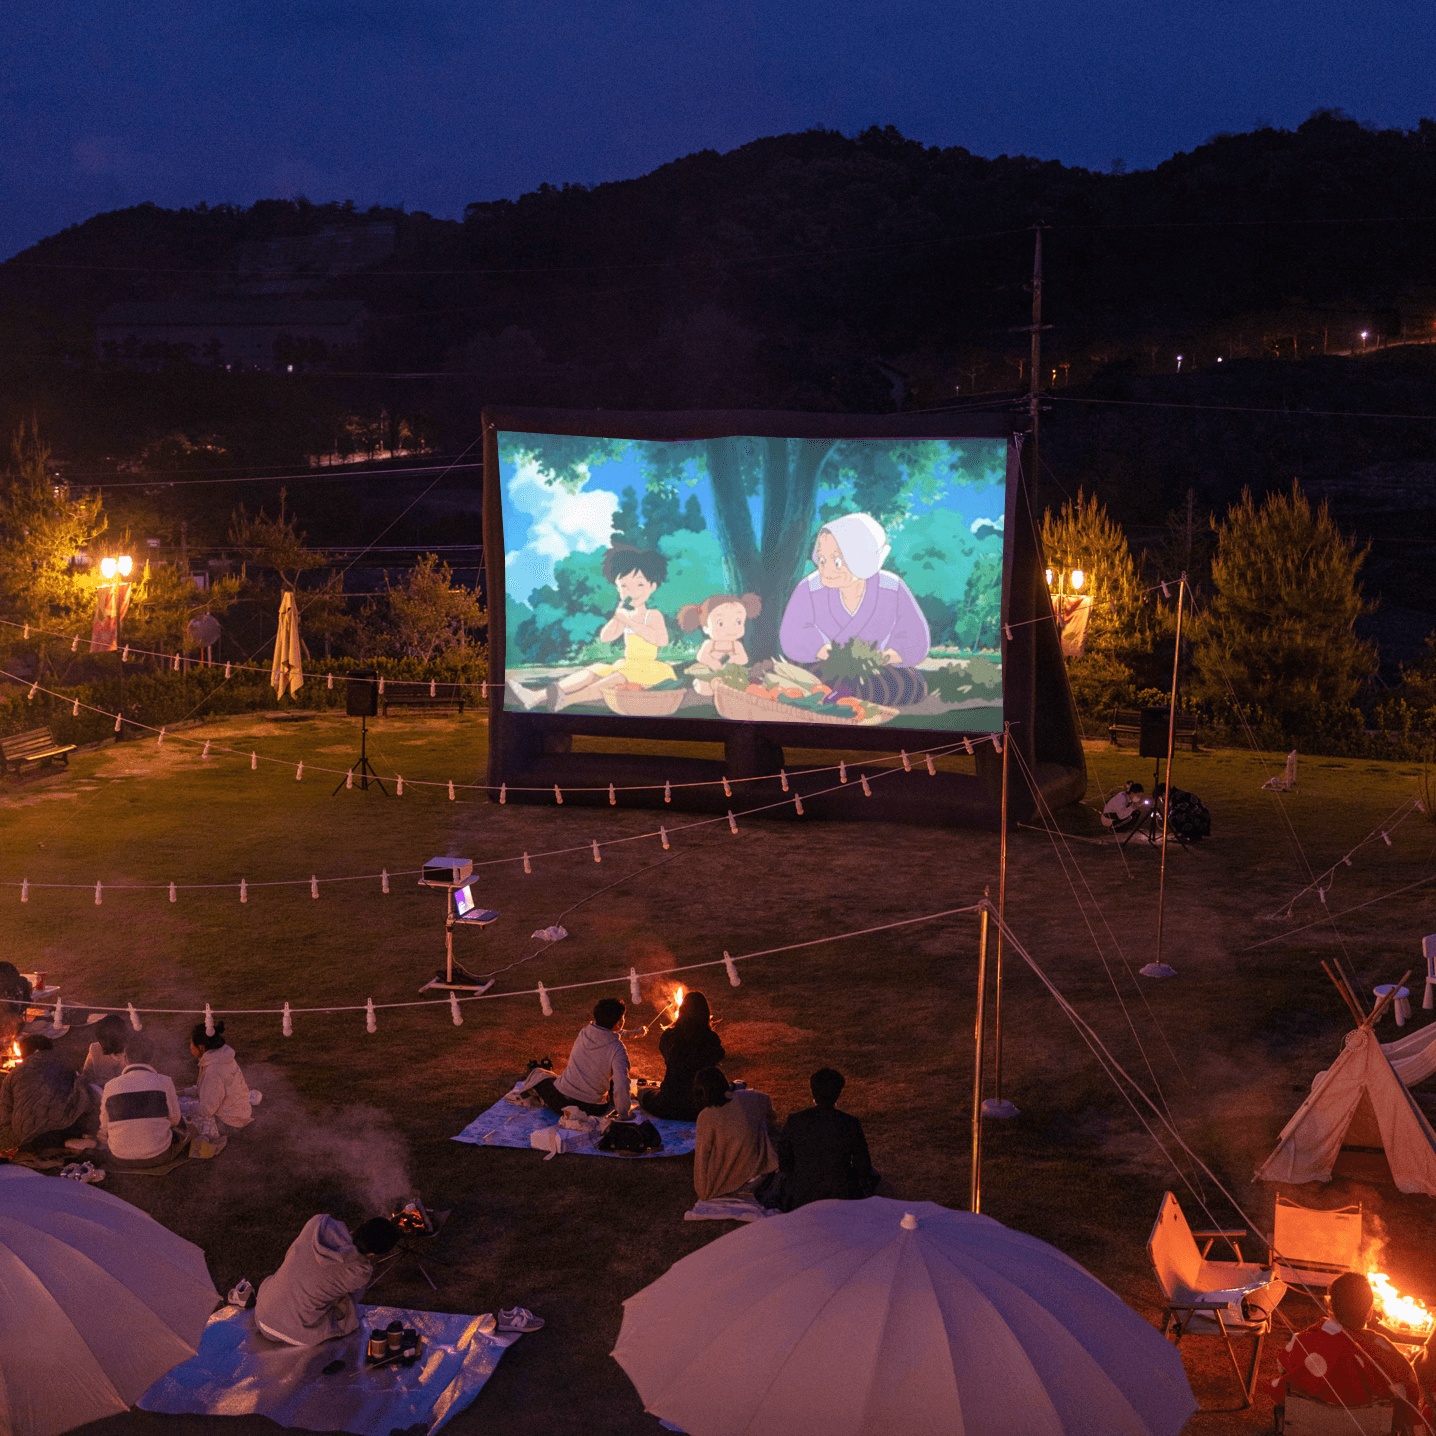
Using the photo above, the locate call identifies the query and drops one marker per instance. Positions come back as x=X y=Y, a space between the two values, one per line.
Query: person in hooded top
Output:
x=851 y=595
x=1340 y=1362
x=310 y=1299
x=596 y=1077
x=688 y=1046
x=219 y=1104
x=734 y=1148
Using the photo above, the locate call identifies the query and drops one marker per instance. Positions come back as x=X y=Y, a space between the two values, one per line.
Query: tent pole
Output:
x=977 y=1065
x=1339 y=983
x=1171 y=746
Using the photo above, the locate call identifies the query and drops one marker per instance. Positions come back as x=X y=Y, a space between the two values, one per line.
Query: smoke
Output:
x=357 y=1149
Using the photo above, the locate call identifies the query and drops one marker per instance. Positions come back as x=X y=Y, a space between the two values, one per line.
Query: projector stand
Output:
x=455 y=979
x=363 y=768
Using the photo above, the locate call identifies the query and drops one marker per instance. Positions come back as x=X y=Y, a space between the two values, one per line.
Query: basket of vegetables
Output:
x=789 y=694
x=659 y=701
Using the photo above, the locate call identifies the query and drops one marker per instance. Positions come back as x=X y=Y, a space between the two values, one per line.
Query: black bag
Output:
x=632 y=1138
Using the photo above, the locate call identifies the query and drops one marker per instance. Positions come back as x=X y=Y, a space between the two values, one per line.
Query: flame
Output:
x=1393 y=1309
x=15 y=1050
x=678 y=1000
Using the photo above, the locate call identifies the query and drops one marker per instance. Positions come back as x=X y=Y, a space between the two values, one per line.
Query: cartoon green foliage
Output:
x=563 y=615
x=938 y=557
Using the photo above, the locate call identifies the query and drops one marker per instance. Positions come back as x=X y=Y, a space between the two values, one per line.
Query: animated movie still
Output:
x=852 y=581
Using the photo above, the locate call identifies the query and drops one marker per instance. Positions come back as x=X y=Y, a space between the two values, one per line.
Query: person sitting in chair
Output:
x=596 y=1076
x=310 y=1299
x=1340 y=1362
x=822 y=1152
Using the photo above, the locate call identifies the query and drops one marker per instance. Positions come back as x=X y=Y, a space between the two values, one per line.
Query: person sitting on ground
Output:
x=822 y=1152
x=44 y=1102
x=15 y=994
x=734 y=1148
x=140 y=1118
x=106 y=1057
x=219 y=1105
x=596 y=1076
x=310 y=1299
x=1340 y=1362
x=687 y=1047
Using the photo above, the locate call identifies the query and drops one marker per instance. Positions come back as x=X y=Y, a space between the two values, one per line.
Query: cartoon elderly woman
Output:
x=850 y=595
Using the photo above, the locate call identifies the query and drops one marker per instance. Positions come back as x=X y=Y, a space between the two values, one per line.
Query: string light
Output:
x=159 y=742
x=399 y=778
x=243 y=890
x=558 y=796
x=75 y=644
x=634 y=995
x=451 y=790
x=527 y=867
x=117 y=722
x=433 y=690
x=25 y=890
x=544 y=1003
x=863 y=779
x=299 y=772
x=906 y=762
x=125 y=656
x=597 y=856
x=227 y=668
x=612 y=797
x=286 y=1025
x=205 y=754
x=783 y=774
x=30 y=696
x=99 y=894
x=135 y=1018
x=727 y=791
x=174 y=896
x=208 y=1021
x=503 y=792
x=370 y=1022
x=313 y=887
x=381 y=684
x=331 y=682
x=1386 y=838
x=667 y=792
x=75 y=711
x=384 y=880
x=797 y=803
x=842 y=771
x=733 y=822
x=663 y=836
x=732 y=970
x=253 y=761
x=931 y=767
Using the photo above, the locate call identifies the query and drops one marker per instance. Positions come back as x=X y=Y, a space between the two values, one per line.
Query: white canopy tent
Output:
x=1359 y=1102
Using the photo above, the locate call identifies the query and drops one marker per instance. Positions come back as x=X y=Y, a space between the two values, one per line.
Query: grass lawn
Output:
x=351 y=1121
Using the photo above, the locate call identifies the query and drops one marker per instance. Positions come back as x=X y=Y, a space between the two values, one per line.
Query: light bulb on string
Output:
x=544 y=1003
x=633 y=993
x=667 y=792
x=135 y=1018
x=99 y=894
x=663 y=836
x=243 y=890
x=783 y=775
x=208 y=1021
x=558 y=796
x=733 y=822
x=384 y=880
x=174 y=895
x=370 y=1024
x=451 y=790
x=527 y=867
x=313 y=886
x=798 y=803
x=286 y=1025
x=612 y=797
x=253 y=762
x=349 y=779
x=863 y=779
x=727 y=791
x=842 y=771
x=299 y=772
x=906 y=762
x=731 y=970
x=931 y=769
x=597 y=856
x=503 y=793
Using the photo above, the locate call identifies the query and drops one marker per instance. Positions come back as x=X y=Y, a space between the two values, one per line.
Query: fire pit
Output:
x=416 y=1223
x=1407 y=1321
x=12 y=1059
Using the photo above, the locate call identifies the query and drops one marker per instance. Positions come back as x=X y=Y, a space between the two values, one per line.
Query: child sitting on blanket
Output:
x=596 y=1076
x=106 y=1057
x=734 y=1146
x=219 y=1105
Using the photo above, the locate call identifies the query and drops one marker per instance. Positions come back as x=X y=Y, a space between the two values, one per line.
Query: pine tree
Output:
x=1280 y=629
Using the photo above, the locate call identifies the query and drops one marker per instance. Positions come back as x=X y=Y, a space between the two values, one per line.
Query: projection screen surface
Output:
x=849 y=581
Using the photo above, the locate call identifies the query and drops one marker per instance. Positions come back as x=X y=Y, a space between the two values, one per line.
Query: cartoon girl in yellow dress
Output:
x=635 y=574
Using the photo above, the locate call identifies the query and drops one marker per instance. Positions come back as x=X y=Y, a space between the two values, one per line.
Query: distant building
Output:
x=236 y=334
x=300 y=262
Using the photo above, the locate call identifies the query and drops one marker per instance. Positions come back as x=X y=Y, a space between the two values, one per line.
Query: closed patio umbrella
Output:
x=869 y=1318
x=97 y=1302
x=287 y=670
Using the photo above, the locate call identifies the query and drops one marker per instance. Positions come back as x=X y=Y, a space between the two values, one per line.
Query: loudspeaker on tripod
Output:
x=361 y=693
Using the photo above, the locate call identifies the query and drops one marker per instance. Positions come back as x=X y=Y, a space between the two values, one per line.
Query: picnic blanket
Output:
x=505 y=1125
x=238 y=1372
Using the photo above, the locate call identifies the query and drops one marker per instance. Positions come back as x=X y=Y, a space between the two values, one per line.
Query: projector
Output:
x=446 y=872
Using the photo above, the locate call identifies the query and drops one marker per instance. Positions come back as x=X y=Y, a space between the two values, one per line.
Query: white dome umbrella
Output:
x=97 y=1302
x=879 y=1317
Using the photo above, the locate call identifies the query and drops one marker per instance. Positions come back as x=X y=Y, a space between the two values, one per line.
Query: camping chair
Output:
x=1428 y=951
x=1310 y=1249
x=1211 y=1298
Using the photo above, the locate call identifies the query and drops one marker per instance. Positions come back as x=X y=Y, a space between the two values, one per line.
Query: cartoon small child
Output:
x=724 y=619
x=635 y=574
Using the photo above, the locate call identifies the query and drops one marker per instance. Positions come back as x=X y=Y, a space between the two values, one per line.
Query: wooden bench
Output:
x=1127 y=725
x=445 y=698
x=36 y=746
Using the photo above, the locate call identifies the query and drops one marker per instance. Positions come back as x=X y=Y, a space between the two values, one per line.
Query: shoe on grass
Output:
x=80 y=1144
x=519 y=1318
x=82 y=1172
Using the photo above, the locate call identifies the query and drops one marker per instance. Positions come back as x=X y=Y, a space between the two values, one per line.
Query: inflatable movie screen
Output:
x=852 y=581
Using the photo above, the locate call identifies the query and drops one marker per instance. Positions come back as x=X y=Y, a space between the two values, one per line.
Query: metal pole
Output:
x=1171 y=746
x=1001 y=916
x=978 y=1059
x=1035 y=378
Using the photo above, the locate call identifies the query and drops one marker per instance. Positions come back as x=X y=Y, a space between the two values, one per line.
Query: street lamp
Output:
x=1363 y=338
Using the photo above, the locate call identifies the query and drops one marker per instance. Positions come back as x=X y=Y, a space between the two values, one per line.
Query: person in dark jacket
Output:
x=44 y=1101
x=822 y=1152
x=15 y=992
x=688 y=1046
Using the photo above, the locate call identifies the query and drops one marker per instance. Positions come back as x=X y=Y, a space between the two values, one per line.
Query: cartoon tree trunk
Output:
x=769 y=564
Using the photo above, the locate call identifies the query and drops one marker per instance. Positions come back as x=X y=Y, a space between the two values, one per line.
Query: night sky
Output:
x=434 y=103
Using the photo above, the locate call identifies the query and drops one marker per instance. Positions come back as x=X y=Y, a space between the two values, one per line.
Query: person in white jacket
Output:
x=596 y=1076
x=310 y=1299
x=219 y=1104
x=140 y=1119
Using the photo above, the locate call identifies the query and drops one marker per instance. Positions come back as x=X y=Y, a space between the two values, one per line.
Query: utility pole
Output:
x=1034 y=382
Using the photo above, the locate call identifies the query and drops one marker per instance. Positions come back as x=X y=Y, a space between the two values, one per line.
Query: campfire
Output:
x=1403 y=1316
x=11 y=1060
x=412 y=1219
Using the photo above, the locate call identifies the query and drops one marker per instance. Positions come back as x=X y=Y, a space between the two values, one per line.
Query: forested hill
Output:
x=815 y=271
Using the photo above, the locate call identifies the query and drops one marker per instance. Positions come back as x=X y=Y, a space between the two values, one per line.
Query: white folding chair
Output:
x=1428 y=951
x=1222 y=1299
x=1310 y=1249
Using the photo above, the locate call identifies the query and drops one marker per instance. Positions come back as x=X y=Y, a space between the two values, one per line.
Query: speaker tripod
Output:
x=363 y=768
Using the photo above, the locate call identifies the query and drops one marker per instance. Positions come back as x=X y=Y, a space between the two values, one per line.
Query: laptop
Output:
x=466 y=911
